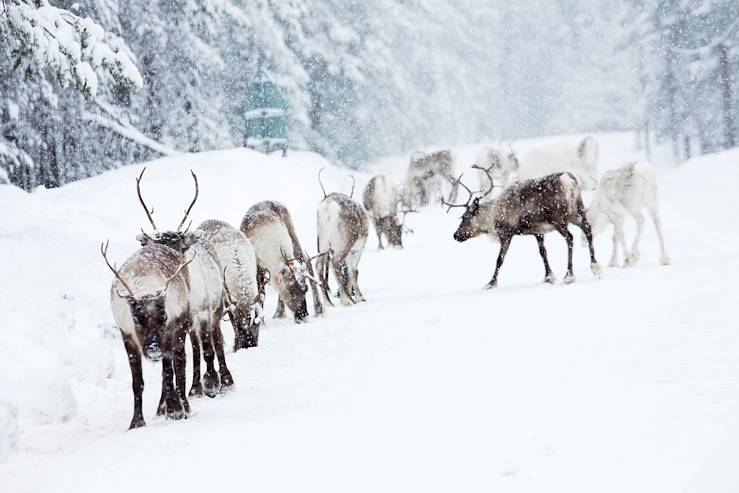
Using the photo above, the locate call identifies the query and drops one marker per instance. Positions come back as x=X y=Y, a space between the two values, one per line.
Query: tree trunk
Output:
x=727 y=95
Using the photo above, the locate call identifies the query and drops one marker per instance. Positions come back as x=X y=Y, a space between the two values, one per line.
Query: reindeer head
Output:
x=149 y=312
x=245 y=326
x=178 y=240
x=291 y=282
x=473 y=224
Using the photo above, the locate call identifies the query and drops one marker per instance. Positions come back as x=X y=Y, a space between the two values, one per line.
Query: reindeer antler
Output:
x=488 y=173
x=225 y=286
x=287 y=260
x=197 y=191
x=320 y=182
x=450 y=205
x=141 y=199
x=354 y=182
x=113 y=268
x=179 y=269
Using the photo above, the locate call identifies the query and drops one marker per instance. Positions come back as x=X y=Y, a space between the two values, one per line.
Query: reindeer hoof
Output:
x=211 y=384
x=631 y=260
x=569 y=278
x=614 y=263
x=137 y=422
x=490 y=285
x=196 y=390
x=227 y=381
x=665 y=260
x=550 y=279
x=597 y=270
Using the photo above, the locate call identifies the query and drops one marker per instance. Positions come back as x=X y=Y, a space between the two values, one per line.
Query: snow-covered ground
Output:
x=630 y=383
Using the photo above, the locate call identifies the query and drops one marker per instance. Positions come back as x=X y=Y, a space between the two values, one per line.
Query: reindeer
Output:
x=425 y=167
x=581 y=160
x=530 y=207
x=342 y=234
x=235 y=255
x=627 y=190
x=205 y=295
x=150 y=304
x=280 y=259
x=381 y=200
x=502 y=165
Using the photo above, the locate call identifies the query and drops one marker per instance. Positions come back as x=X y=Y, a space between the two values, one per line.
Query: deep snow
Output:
x=630 y=383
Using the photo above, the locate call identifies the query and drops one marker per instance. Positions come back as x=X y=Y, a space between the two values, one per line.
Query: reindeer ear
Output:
x=143 y=239
x=190 y=239
x=279 y=278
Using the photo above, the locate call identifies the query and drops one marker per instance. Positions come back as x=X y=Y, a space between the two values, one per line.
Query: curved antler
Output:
x=488 y=173
x=104 y=251
x=450 y=205
x=179 y=269
x=320 y=182
x=141 y=199
x=287 y=260
x=354 y=182
x=225 y=287
x=197 y=191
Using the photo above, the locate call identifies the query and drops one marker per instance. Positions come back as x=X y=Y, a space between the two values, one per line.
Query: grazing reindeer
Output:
x=424 y=167
x=342 y=235
x=281 y=259
x=581 y=160
x=150 y=304
x=529 y=207
x=205 y=299
x=627 y=190
x=502 y=165
x=381 y=201
x=238 y=261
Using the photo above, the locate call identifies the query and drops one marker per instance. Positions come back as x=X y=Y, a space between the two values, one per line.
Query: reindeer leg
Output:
x=634 y=255
x=180 y=362
x=378 y=230
x=355 y=285
x=614 y=252
x=654 y=212
x=582 y=223
x=340 y=269
x=137 y=381
x=227 y=381
x=569 y=277
x=210 y=379
x=197 y=387
x=280 y=311
x=505 y=242
x=548 y=275
x=174 y=408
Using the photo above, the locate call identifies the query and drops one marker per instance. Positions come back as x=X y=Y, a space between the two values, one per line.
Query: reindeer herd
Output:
x=182 y=283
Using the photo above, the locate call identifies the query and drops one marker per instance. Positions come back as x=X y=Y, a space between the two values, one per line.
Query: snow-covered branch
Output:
x=73 y=48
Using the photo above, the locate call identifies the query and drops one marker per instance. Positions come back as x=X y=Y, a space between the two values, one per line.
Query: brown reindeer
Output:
x=205 y=294
x=530 y=207
x=149 y=300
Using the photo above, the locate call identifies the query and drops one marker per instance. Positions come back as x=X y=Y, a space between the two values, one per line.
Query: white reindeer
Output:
x=502 y=166
x=627 y=190
x=580 y=159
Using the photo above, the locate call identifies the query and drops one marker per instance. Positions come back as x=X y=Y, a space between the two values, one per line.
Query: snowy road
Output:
x=630 y=383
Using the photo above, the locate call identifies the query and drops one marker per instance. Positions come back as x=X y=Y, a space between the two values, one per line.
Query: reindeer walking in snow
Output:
x=150 y=303
x=627 y=190
x=343 y=227
x=530 y=207
x=425 y=167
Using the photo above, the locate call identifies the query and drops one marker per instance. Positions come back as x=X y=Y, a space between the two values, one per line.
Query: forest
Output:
x=88 y=86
